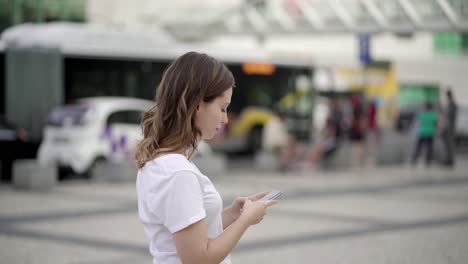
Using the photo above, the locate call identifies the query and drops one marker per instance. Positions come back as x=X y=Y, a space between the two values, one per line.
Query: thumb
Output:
x=247 y=203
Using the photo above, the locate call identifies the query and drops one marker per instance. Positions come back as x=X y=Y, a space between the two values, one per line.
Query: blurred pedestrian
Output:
x=327 y=144
x=448 y=129
x=357 y=131
x=373 y=132
x=427 y=127
x=179 y=207
x=275 y=140
x=329 y=139
x=290 y=153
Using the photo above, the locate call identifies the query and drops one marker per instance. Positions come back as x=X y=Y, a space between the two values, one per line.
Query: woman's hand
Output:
x=235 y=209
x=253 y=212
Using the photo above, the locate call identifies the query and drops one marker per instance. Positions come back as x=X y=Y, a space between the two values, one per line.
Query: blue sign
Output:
x=364 y=49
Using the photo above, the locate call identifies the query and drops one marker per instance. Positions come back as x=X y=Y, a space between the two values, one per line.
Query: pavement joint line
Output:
x=247 y=246
x=381 y=188
x=57 y=216
x=291 y=195
x=342 y=218
x=350 y=233
x=74 y=240
x=126 y=260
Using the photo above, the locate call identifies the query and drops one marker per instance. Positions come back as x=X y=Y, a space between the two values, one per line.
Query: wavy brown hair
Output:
x=169 y=126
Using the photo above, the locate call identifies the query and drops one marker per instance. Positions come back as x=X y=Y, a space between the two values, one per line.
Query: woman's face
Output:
x=211 y=117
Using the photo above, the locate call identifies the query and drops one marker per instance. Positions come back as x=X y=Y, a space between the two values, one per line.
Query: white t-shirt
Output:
x=172 y=195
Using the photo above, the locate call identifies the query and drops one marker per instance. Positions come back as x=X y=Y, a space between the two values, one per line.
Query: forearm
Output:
x=228 y=217
x=221 y=246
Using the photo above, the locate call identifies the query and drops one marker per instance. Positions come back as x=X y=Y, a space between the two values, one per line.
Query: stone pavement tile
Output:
x=273 y=227
x=25 y=249
x=455 y=194
x=108 y=231
x=445 y=243
x=379 y=207
x=66 y=198
x=380 y=215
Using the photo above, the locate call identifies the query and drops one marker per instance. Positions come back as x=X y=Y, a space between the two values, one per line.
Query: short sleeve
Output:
x=180 y=202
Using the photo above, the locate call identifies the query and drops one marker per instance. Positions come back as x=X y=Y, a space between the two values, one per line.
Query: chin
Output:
x=208 y=137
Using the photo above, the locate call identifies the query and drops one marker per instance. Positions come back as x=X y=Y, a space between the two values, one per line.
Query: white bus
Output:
x=57 y=63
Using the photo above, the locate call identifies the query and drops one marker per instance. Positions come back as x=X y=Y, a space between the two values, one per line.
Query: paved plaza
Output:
x=386 y=215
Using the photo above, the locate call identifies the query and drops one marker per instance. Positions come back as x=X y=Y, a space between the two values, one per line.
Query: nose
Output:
x=225 y=119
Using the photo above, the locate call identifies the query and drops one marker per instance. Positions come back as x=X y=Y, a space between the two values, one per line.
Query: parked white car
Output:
x=91 y=130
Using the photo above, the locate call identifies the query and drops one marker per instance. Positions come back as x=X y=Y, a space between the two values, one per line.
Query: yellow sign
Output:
x=256 y=68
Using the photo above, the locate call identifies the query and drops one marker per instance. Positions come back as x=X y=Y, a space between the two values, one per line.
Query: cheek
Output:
x=215 y=115
x=207 y=119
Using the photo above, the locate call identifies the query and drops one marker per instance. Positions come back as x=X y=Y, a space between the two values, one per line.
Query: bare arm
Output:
x=228 y=217
x=194 y=246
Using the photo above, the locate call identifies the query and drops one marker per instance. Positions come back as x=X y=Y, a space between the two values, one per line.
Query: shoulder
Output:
x=176 y=162
x=167 y=170
x=170 y=164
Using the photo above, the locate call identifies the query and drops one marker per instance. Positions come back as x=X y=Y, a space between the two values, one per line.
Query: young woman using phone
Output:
x=179 y=207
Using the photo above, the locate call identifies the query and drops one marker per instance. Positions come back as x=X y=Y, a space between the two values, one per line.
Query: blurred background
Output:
x=334 y=99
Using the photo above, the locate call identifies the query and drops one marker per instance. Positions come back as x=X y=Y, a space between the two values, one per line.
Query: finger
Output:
x=241 y=199
x=270 y=203
x=257 y=196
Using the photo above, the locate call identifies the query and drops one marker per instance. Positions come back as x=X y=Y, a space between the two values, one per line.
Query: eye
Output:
x=223 y=110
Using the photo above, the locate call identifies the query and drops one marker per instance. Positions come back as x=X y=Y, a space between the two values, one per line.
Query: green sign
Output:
x=450 y=43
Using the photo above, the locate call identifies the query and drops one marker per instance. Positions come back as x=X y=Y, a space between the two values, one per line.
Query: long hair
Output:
x=169 y=126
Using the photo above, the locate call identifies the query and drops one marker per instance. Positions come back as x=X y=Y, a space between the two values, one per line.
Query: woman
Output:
x=179 y=207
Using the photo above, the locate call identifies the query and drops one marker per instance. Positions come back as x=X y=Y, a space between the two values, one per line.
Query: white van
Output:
x=91 y=130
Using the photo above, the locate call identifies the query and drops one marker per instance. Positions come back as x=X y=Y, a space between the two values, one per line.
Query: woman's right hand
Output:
x=253 y=212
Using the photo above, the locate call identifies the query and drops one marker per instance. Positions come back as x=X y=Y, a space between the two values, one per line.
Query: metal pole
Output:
x=16 y=12
x=449 y=11
x=255 y=19
x=310 y=14
x=282 y=16
x=39 y=11
x=64 y=14
x=342 y=13
x=376 y=13
x=411 y=12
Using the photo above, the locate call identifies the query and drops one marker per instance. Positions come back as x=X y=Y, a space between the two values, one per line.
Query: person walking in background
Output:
x=448 y=129
x=373 y=132
x=357 y=131
x=427 y=127
x=329 y=140
x=179 y=207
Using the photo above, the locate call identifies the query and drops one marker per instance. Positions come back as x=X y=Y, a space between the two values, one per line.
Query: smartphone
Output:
x=273 y=195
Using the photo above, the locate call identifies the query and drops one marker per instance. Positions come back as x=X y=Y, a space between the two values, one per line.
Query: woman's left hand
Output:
x=238 y=203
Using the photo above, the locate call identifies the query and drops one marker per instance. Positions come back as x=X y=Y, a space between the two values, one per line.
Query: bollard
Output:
x=267 y=160
x=28 y=174
x=118 y=171
x=210 y=165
